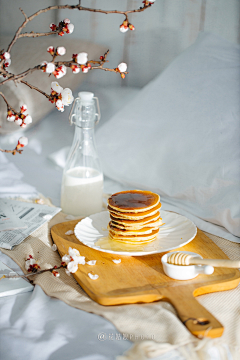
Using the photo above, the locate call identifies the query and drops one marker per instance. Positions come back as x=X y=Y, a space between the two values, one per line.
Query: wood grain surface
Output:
x=141 y=279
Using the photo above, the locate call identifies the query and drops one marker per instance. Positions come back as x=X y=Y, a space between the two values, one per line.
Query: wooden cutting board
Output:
x=141 y=279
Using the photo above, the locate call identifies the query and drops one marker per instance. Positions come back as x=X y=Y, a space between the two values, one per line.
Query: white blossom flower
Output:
x=123 y=28
x=73 y=259
x=50 y=67
x=72 y=266
x=82 y=58
x=93 y=277
x=11 y=118
x=56 y=87
x=6 y=55
x=61 y=50
x=76 y=256
x=75 y=70
x=85 y=69
x=59 y=105
x=60 y=71
x=23 y=141
x=67 y=97
x=18 y=121
x=70 y=28
x=66 y=258
x=67 y=21
x=28 y=120
x=69 y=232
x=122 y=67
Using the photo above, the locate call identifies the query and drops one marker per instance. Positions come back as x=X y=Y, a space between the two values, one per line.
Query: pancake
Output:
x=140 y=222
x=154 y=224
x=134 y=238
x=116 y=231
x=132 y=215
x=133 y=201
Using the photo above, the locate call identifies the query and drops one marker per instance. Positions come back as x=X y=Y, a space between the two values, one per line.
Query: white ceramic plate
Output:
x=177 y=231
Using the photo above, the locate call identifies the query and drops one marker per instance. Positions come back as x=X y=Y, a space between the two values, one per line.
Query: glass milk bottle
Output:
x=82 y=183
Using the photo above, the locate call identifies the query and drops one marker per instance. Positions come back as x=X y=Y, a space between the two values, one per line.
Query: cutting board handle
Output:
x=194 y=316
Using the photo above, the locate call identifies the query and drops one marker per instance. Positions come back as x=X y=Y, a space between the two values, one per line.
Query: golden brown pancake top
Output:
x=133 y=200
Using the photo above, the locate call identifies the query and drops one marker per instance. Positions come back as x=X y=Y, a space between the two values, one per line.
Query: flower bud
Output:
x=28 y=120
x=61 y=51
x=70 y=28
x=6 y=55
x=18 y=121
x=23 y=108
x=66 y=21
x=11 y=118
x=122 y=67
x=82 y=58
x=53 y=27
x=50 y=67
x=50 y=49
x=23 y=141
x=123 y=28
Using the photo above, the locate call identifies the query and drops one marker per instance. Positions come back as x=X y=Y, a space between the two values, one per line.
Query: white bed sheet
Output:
x=33 y=325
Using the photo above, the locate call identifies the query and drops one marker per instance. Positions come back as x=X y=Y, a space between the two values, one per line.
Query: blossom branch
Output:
x=146 y=5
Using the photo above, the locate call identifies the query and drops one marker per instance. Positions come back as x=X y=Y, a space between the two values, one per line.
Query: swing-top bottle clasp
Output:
x=88 y=100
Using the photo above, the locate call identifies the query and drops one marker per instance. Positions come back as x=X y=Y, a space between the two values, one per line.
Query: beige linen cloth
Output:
x=138 y=322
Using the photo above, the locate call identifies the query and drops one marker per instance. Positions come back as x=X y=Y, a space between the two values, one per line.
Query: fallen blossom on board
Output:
x=93 y=277
x=69 y=232
x=117 y=261
x=91 y=262
x=73 y=259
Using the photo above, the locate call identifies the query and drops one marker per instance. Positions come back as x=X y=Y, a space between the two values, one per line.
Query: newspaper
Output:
x=8 y=219
x=31 y=215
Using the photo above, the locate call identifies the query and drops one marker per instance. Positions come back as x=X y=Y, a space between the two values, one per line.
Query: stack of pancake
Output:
x=135 y=216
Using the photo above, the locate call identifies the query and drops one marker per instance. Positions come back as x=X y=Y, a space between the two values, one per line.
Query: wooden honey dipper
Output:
x=179 y=258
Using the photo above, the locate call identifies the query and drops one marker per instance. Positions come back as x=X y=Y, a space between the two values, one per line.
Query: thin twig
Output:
x=35 y=88
x=61 y=7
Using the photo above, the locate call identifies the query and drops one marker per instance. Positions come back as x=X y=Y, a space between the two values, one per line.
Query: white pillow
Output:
x=180 y=136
